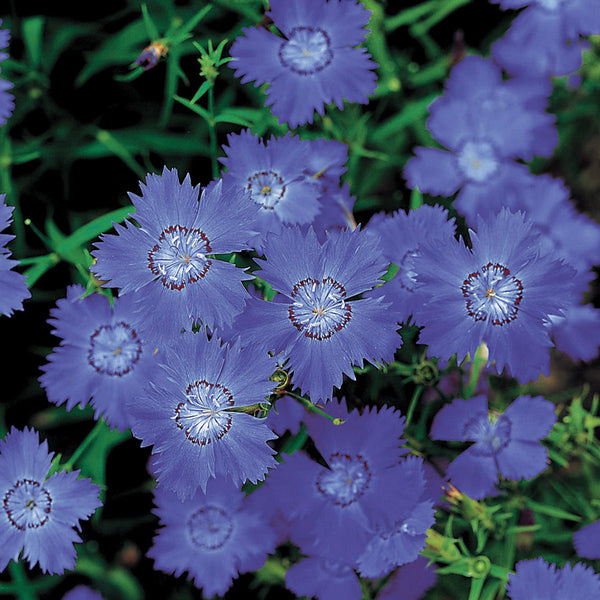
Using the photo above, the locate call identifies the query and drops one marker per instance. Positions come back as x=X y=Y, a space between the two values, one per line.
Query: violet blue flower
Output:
x=324 y=578
x=213 y=536
x=587 y=541
x=507 y=443
x=170 y=257
x=409 y=582
x=7 y=103
x=400 y=235
x=188 y=413
x=315 y=63
x=13 y=287
x=544 y=38
x=40 y=512
x=398 y=543
x=320 y=328
x=81 y=592
x=485 y=123
x=538 y=580
x=337 y=508
x=281 y=177
x=502 y=292
x=101 y=355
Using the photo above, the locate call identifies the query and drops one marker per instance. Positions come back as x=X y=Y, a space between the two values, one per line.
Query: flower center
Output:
x=210 y=528
x=319 y=308
x=114 y=349
x=406 y=273
x=27 y=505
x=477 y=160
x=490 y=435
x=492 y=294
x=203 y=417
x=306 y=51
x=179 y=257
x=346 y=479
x=551 y=5
x=336 y=569
x=266 y=189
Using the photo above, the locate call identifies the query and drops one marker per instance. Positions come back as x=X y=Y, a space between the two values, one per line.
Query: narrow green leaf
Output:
x=182 y=33
x=412 y=112
x=201 y=91
x=149 y=23
x=551 y=511
x=32 y=36
x=197 y=109
x=445 y=7
x=410 y=15
x=112 y=143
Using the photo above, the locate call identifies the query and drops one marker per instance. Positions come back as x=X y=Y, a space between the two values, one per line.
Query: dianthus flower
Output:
x=410 y=581
x=544 y=38
x=536 y=579
x=338 y=508
x=507 y=443
x=170 y=260
x=38 y=514
x=318 y=326
x=189 y=415
x=394 y=544
x=213 y=535
x=587 y=541
x=281 y=176
x=81 y=592
x=485 y=123
x=13 y=288
x=7 y=103
x=400 y=235
x=101 y=355
x=502 y=292
x=314 y=64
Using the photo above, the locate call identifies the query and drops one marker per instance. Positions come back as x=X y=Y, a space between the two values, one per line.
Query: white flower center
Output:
x=306 y=51
x=179 y=257
x=27 y=505
x=203 y=416
x=477 y=160
x=319 y=309
x=492 y=294
x=114 y=349
x=346 y=479
x=210 y=527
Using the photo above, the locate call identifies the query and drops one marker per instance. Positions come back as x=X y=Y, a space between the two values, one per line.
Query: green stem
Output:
x=91 y=436
x=413 y=403
x=478 y=364
x=212 y=133
x=21 y=586
x=308 y=405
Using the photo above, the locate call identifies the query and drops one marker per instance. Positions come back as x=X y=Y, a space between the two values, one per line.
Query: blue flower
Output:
x=538 y=580
x=170 y=257
x=502 y=292
x=188 y=414
x=485 y=123
x=81 y=592
x=398 y=543
x=409 y=582
x=101 y=355
x=315 y=63
x=318 y=326
x=587 y=541
x=13 y=287
x=7 y=103
x=213 y=535
x=38 y=514
x=544 y=38
x=506 y=443
x=336 y=509
x=282 y=177
x=324 y=578
x=400 y=235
